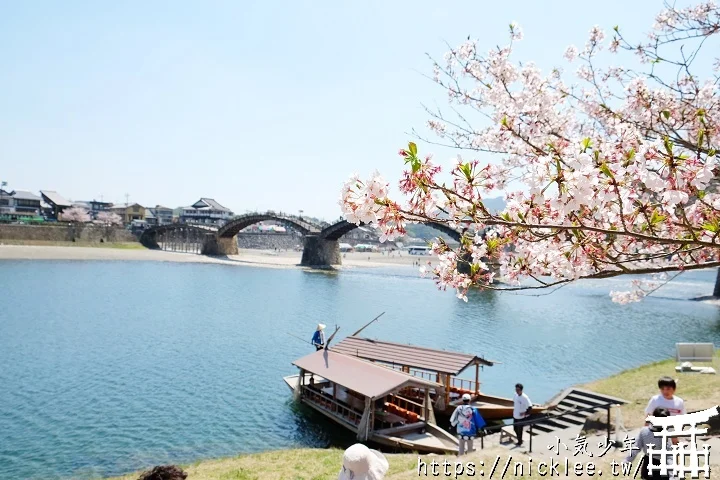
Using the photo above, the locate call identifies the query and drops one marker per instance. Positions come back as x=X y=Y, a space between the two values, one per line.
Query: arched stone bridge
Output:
x=322 y=245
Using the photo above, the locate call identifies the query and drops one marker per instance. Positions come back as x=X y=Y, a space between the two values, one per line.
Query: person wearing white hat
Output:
x=463 y=418
x=318 y=338
x=362 y=463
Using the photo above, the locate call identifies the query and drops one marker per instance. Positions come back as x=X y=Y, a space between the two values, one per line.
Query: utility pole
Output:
x=127 y=199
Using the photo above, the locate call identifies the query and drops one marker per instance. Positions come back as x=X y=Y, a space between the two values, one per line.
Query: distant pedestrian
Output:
x=522 y=406
x=644 y=439
x=468 y=422
x=164 y=472
x=318 y=338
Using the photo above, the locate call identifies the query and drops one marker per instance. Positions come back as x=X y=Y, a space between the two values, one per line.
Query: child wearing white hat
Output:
x=362 y=463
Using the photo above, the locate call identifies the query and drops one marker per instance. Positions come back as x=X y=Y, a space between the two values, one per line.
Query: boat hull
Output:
x=422 y=438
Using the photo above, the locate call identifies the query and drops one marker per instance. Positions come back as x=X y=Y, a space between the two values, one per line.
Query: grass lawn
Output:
x=636 y=385
x=639 y=384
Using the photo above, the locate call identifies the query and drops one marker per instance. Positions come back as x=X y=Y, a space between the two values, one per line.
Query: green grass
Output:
x=637 y=385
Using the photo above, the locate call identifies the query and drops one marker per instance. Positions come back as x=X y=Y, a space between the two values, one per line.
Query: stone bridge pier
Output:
x=216 y=245
x=320 y=252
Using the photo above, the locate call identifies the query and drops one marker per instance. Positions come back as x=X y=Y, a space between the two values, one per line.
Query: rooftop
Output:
x=25 y=195
x=409 y=355
x=366 y=378
x=209 y=203
x=54 y=198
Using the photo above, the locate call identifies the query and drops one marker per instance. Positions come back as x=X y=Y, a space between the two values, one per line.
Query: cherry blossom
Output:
x=108 y=219
x=609 y=173
x=75 y=215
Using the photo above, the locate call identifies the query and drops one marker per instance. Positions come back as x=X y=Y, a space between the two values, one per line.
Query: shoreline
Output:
x=246 y=257
x=634 y=385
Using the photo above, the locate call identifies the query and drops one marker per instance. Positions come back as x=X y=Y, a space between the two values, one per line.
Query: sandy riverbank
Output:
x=260 y=258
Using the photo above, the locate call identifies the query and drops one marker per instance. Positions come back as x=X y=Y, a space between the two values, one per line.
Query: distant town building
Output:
x=132 y=213
x=55 y=202
x=206 y=211
x=19 y=205
x=159 y=215
x=362 y=233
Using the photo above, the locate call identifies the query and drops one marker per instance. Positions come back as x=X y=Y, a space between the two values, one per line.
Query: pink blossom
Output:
x=603 y=177
x=571 y=53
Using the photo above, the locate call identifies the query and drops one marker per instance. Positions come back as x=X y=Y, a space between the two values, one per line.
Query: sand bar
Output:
x=258 y=258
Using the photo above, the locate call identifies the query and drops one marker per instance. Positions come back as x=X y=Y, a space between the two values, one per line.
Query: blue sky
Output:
x=259 y=104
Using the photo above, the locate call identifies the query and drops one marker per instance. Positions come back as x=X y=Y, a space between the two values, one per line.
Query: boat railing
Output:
x=348 y=414
x=465 y=384
x=407 y=404
x=459 y=383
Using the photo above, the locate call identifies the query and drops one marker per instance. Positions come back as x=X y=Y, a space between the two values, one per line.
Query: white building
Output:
x=206 y=211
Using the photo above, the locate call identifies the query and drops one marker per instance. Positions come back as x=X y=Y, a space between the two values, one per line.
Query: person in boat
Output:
x=522 y=406
x=164 y=472
x=468 y=422
x=318 y=339
x=362 y=463
x=644 y=439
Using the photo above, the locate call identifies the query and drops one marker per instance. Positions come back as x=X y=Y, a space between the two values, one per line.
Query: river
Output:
x=107 y=367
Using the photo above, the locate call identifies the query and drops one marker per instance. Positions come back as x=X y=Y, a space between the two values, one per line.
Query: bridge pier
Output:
x=150 y=241
x=320 y=252
x=214 y=245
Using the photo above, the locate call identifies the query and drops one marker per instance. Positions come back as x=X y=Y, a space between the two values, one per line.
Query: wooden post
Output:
x=477 y=379
x=447 y=389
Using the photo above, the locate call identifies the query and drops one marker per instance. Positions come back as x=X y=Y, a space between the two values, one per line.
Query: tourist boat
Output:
x=364 y=398
x=438 y=366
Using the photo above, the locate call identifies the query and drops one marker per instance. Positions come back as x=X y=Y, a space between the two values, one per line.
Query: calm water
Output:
x=107 y=367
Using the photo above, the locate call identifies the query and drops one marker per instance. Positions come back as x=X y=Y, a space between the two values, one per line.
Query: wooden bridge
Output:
x=321 y=243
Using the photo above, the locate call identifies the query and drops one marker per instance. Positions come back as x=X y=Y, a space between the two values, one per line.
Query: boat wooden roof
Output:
x=409 y=355
x=366 y=378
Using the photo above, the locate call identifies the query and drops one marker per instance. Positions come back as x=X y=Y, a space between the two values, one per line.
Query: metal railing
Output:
x=548 y=418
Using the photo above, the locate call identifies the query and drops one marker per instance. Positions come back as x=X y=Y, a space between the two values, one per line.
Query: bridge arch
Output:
x=154 y=237
x=232 y=227
x=334 y=232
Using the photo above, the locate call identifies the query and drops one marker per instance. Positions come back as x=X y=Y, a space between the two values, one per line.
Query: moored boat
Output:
x=365 y=398
x=438 y=366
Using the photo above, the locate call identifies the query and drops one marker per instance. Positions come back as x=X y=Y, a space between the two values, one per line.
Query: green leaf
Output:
x=701 y=136
x=701 y=194
x=504 y=122
x=586 y=143
x=656 y=218
x=668 y=145
x=606 y=170
x=506 y=216
x=711 y=152
x=631 y=154
x=467 y=170
x=710 y=227
x=412 y=148
x=666 y=114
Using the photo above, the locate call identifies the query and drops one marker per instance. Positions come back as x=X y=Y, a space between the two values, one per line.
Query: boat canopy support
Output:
x=364 y=426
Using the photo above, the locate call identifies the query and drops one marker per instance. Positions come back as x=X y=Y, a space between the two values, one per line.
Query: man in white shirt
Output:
x=666 y=398
x=521 y=411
